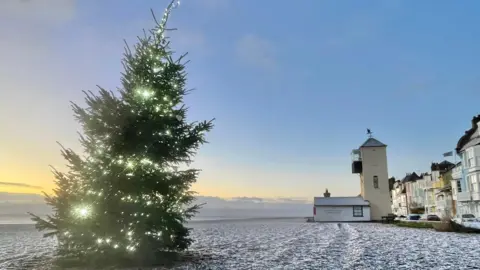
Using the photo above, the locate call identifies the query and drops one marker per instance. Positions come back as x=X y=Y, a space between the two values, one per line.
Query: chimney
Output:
x=476 y=122
x=326 y=194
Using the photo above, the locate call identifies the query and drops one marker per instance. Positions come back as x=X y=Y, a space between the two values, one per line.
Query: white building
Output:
x=456 y=186
x=418 y=191
x=370 y=161
x=340 y=209
x=468 y=192
x=399 y=199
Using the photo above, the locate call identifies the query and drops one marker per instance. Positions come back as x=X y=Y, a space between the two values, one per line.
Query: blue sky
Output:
x=293 y=86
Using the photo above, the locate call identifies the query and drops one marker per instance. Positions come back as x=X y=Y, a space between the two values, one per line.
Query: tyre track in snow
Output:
x=355 y=249
x=333 y=254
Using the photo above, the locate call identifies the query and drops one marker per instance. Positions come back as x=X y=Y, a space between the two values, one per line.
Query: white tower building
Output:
x=370 y=161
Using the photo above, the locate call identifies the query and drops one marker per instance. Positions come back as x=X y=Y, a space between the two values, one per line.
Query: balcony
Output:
x=356 y=161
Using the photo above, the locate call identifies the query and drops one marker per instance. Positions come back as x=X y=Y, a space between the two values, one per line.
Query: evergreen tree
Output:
x=126 y=199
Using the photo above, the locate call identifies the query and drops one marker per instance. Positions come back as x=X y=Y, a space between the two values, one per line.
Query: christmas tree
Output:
x=126 y=198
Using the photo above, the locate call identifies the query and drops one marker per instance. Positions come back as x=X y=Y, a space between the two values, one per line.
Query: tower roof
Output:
x=372 y=142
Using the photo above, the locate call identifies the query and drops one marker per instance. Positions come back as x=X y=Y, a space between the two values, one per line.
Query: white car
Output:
x=461 y=218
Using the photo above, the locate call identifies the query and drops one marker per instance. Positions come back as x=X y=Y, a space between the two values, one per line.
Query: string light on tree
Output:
x=82 y=211
x=128 y=193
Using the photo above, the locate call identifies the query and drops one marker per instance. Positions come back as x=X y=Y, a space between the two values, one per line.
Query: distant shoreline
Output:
x=199 y=220
x=213 y=220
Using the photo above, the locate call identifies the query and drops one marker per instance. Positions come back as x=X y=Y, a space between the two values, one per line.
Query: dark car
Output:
x=433 y=218
x=413 y=217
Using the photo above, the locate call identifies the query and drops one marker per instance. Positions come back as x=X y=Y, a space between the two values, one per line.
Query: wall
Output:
x=339 y=213
x=374 y=162
x=418 y=196
x=467 y=170
x=362 y=191
x=469 y=208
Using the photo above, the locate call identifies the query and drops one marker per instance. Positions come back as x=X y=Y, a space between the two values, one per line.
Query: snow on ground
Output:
x=291 y=244
x=22 y=247
x=297 y=245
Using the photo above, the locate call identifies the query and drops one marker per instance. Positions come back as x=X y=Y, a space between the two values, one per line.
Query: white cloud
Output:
x=20 y=185
x=15 y=198
x=251 y=202
x=250 y=207
x=256 y=51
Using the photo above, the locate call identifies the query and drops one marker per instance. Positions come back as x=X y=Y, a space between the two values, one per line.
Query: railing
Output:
x=356 y=155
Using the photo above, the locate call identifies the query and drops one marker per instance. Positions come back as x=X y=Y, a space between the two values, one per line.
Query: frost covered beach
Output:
x=285 y=244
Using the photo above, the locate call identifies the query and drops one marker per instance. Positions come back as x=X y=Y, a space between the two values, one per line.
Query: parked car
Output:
x=460 y=218
x=401 y=217
x=430 y=217
x=413 y=217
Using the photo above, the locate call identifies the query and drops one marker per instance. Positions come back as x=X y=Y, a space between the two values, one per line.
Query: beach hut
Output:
x=340 y=209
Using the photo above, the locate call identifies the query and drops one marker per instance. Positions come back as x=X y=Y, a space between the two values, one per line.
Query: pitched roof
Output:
x=442 y=166
x=411 y=177
x=339 y=201
x=372 y=142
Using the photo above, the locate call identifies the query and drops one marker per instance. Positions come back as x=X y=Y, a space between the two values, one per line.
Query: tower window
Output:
x=375 y=181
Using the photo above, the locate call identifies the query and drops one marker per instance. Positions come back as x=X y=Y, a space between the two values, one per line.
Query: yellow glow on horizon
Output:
x=25 y=179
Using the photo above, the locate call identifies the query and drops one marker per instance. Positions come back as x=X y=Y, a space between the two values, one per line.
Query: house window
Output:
x=459 y=186
x=470 y=158
x=375 y=181
x=358 y=211
x=473 y=181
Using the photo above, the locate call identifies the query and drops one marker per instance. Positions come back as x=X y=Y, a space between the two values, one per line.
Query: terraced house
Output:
x=399 y=199
x=442 y=189
x=467 y=176
x=411 y=186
